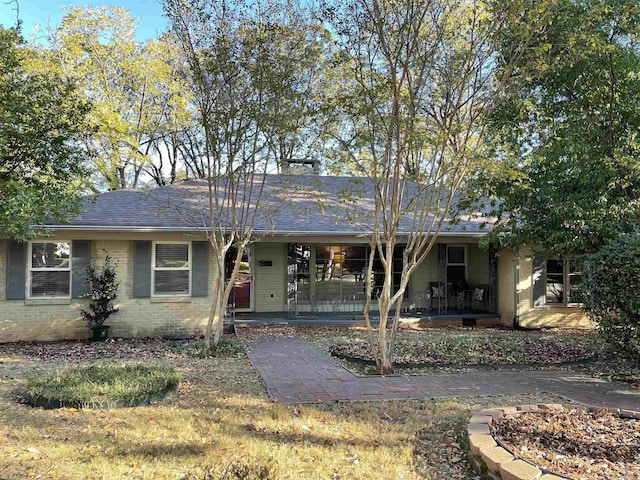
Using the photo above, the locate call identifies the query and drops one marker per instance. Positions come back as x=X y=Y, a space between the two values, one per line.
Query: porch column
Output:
x=292 y=283
x=492 y=299
x=442 y=265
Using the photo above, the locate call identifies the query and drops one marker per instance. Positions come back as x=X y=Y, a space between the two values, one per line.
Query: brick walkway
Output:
x=294 y=372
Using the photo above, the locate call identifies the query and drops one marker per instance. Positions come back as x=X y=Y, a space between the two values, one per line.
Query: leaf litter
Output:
x=575 y=443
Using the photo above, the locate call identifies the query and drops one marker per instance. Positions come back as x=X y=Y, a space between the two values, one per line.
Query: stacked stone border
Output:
x=498 y=462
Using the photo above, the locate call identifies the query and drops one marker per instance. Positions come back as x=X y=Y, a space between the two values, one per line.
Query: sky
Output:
x=148 y=13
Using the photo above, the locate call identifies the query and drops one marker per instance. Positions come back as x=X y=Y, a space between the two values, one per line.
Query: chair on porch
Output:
x=438 y=296
x=480 y=297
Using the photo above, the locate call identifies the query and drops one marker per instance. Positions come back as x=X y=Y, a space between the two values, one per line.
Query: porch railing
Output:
x=440 y=302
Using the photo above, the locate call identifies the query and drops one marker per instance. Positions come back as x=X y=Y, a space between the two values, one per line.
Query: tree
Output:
x=610 y=289
x=138 y=98
x=422 y=86
x=42 y=122
x=243 y=76
x=569 y=130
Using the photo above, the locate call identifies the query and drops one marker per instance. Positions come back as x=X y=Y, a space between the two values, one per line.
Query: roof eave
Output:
x=151 y=229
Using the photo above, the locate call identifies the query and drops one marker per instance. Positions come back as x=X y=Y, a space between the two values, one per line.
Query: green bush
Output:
x=611 y=289
x=99 y=386
x=104 y=291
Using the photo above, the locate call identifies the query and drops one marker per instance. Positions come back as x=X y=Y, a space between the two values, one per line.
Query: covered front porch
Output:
x=456 y=279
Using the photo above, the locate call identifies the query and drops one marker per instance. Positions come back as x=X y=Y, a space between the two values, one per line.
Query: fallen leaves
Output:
x=588 y=446
x=484 y=348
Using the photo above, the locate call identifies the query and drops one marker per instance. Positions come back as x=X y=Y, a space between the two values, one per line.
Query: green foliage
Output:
x=257 y=72
x=611 y=284
x=42 y=120
x=100 y=384
x=253 y=69
x=104 y=291
x=568 y=134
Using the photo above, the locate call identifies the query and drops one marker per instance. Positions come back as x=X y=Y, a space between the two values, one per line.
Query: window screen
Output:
x=171 y=269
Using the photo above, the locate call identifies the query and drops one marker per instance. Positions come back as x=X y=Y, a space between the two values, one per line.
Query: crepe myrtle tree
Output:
x=236 y=66
x=420 y=85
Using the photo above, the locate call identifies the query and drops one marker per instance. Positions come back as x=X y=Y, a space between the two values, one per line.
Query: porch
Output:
x=417 y=320
x=455 y=279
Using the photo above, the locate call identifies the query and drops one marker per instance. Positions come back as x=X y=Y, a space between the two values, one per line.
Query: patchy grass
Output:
x=221 y=424
x=98 y=385
x=229 y=346
x=612 y=367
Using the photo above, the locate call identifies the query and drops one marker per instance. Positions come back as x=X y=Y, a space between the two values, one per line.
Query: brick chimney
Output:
x=297 y=166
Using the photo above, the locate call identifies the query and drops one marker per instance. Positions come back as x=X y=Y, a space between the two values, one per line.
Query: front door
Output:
x=241 y=295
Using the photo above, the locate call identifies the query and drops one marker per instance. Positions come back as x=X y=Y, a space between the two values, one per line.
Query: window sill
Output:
x=47 y=301
x=170 y=299
x=559 y=305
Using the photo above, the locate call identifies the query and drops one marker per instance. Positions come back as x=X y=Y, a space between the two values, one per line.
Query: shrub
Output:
x=611 y=288
x=104 y=290
x=239 y=469
x=99 y=385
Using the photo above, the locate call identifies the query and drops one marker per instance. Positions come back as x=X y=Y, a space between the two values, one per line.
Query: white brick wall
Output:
x=45 y=320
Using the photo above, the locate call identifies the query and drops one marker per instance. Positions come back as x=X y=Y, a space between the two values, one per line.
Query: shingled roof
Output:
x=290 y=204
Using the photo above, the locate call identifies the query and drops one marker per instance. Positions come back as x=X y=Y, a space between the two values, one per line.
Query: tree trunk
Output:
x=385 y=361
x=221 y=293
x=214 y=312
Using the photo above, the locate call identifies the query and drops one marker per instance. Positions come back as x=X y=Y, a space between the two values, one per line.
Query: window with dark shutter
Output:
x=49 y=270
x=171 y=269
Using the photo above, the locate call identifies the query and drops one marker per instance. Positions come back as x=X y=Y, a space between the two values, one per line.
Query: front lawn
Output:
x=220 y=423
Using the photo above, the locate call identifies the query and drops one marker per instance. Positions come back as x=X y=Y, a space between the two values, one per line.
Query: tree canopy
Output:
x=138 y=97
x=42 y=125
x=569 y=133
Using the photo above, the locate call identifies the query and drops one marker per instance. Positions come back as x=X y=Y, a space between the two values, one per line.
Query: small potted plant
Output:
x=104 y=290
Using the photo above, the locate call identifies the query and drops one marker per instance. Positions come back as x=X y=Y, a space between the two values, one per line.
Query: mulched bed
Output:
x=116 y=349
x=422 y=353
x=574 y=443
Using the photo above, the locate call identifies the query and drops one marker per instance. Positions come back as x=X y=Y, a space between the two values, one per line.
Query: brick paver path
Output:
x=295 y=372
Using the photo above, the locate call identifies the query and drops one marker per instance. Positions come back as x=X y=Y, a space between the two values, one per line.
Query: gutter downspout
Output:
x=516 y=288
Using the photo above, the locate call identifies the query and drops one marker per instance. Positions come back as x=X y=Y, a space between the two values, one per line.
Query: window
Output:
x=562 y=277
x=456 y=264
x=299 y=273
x=171 y=266
x=49 y=270
x=341 y=272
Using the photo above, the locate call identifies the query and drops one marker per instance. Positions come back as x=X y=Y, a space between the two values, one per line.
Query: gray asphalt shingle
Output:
x=290 y=204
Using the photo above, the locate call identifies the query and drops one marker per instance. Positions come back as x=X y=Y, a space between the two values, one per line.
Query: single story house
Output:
x=308 y=259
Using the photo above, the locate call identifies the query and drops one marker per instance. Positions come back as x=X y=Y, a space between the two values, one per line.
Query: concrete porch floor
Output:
x=426 y=319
